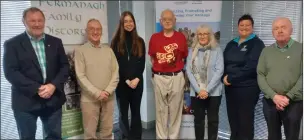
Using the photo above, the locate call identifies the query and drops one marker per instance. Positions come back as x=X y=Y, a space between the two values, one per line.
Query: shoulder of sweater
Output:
x=269 y=48
x=105 y=45
x=230 y=44
x=87 y=45
x=296 y=43
x=83 y=46
x=218 y=51
x=218 y=47
x=257 y=39
x=156 y=34
x=179 y=34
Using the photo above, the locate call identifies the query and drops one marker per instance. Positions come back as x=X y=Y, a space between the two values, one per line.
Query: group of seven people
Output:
x=37 y=67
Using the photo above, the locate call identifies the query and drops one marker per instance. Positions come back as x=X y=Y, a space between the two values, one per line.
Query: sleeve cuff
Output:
x=196 y=88
x=36 y=89
x=289 y=95
x=110 y=93
x=272 y=95
x=55 y=85
x=97 y=94
x=229 y=79
x=208 y=90
x=107 y=92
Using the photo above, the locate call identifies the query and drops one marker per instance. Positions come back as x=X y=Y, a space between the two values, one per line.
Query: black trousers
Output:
x=27 y=123
x=290 y=117
x=126 y=97
x=212 y=105
x=241 y=102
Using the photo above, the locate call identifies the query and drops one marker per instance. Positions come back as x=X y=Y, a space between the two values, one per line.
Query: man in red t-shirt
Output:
x=168 y=50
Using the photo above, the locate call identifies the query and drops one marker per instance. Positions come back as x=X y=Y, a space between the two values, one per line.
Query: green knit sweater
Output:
x=280 y=72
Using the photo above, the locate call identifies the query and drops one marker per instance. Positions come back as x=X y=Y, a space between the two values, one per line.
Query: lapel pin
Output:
x=48 y=45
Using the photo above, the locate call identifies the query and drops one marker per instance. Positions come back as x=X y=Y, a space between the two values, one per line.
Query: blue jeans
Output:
x=51 y=120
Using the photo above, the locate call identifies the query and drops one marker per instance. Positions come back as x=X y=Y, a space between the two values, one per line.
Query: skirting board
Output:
x=148 y=125
x=145 y=125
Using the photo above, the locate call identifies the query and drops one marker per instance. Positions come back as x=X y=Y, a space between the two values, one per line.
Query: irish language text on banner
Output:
x=67 y=19
x=189 y=15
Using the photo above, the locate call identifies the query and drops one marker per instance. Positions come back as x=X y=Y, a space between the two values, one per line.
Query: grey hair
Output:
x=167 y=10
x=212 y=41
x=93 y=19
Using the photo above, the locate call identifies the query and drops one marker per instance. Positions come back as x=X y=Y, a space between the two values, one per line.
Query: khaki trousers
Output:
x=92 y=112
x=169 y=93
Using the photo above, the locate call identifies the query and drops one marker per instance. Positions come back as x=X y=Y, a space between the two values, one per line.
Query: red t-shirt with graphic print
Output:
x=168 y=53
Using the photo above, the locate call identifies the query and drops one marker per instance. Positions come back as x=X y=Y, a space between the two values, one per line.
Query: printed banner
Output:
x=67 y=19
x=71 y=112
x=189 y=15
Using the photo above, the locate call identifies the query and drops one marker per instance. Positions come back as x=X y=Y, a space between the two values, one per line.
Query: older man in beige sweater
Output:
x=97 y=72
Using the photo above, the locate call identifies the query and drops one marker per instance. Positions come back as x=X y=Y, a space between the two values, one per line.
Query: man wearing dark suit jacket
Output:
x=36 y=66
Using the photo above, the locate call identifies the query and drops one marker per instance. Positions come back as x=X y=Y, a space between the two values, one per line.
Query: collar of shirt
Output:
x=237 y=39
x=34 y=39
x=99 y=46
x=285 y=47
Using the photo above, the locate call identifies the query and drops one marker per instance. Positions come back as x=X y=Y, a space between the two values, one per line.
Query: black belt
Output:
x=166 y=73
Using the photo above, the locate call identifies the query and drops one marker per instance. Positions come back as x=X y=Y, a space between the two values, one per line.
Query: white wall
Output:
x=144 y=13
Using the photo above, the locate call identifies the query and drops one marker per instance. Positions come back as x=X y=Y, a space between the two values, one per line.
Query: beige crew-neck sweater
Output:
x=97 y=70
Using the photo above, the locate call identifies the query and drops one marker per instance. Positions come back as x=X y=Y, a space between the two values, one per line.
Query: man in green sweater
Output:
x=280 y=79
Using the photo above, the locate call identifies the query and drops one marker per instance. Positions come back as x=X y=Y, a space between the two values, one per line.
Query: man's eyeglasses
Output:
x=167 y=19
x=99 y=30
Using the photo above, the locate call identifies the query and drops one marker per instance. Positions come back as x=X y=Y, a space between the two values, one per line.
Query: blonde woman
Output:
x=204 y=69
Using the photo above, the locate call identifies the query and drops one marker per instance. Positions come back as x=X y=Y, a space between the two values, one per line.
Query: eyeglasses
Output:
x=167 y=19
x=203 y=34
x=99 y=30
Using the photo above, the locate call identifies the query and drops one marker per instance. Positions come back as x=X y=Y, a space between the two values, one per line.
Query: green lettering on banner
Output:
x=57 y=3
x=68 y=4
x=64 y=31
x=75 y=4
x=78 y=18
x=72 y=4
x=82 y=3
x=66 y=16
x=47 y=2
x=51 y=17
x=90 y=5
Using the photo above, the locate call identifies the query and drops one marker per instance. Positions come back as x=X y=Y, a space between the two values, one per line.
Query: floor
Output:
x=147 y=134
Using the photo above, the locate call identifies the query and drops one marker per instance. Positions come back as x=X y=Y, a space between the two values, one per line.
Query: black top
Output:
x=130 y=66
x=240 y=62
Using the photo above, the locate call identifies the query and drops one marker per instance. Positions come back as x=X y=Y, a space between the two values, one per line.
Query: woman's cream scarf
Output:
x=200 y=74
